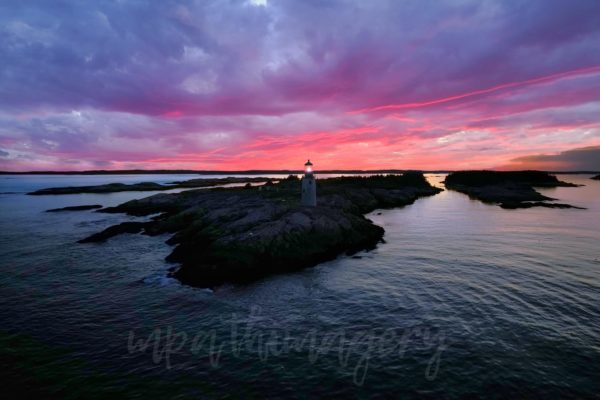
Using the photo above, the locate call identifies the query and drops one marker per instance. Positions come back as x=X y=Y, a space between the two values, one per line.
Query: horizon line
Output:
x=269 y=171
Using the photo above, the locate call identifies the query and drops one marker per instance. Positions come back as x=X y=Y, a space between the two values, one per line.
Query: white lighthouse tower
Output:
x=309 y=186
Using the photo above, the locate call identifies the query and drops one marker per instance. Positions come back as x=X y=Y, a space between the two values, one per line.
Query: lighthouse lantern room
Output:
x=309 y=186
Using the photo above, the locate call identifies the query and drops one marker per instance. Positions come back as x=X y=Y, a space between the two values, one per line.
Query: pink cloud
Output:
x=351 y=84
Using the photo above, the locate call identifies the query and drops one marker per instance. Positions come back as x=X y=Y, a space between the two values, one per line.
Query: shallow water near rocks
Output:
x=462 y=299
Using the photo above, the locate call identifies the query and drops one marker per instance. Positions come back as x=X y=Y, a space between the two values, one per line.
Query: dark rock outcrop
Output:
x=240 y=234
x=207 y=182
x=125 y=227
x=76 y=208
x=147 y=186
x=108 y=188
x=514 y=189
x=487 y=178
x=597 y=177
x=526 y=204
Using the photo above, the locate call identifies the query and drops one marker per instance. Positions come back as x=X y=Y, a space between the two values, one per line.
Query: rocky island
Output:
x=240 y=234
x=597 y=177
x=76 y=208
x=148 y=186
x=512 y=189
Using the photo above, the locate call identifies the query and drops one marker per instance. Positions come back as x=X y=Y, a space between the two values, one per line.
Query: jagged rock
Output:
x=125 y=227
x=240 y=234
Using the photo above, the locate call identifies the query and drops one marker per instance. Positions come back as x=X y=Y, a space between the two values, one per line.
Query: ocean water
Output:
x=462 y=300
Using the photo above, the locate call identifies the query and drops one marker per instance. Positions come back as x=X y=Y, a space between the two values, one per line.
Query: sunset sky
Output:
x=265 y=84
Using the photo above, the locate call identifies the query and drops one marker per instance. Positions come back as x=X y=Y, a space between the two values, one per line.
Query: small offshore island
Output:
x=76 y=208
x=148 y=186
x=510 y=190
x=243 y=233
x=237 y=234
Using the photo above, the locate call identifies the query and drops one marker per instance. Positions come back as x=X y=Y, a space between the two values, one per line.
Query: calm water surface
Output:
x=463 y=299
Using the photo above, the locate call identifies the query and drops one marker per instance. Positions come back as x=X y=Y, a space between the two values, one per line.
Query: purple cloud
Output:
x=129 y=82
x=582 y=159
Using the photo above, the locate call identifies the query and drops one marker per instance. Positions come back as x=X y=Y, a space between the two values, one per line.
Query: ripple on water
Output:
x=514 y=294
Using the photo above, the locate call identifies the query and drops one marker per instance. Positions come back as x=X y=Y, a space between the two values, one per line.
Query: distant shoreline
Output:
x=248 y=172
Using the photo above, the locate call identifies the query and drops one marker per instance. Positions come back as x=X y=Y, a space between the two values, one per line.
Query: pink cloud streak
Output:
x=536 y=81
